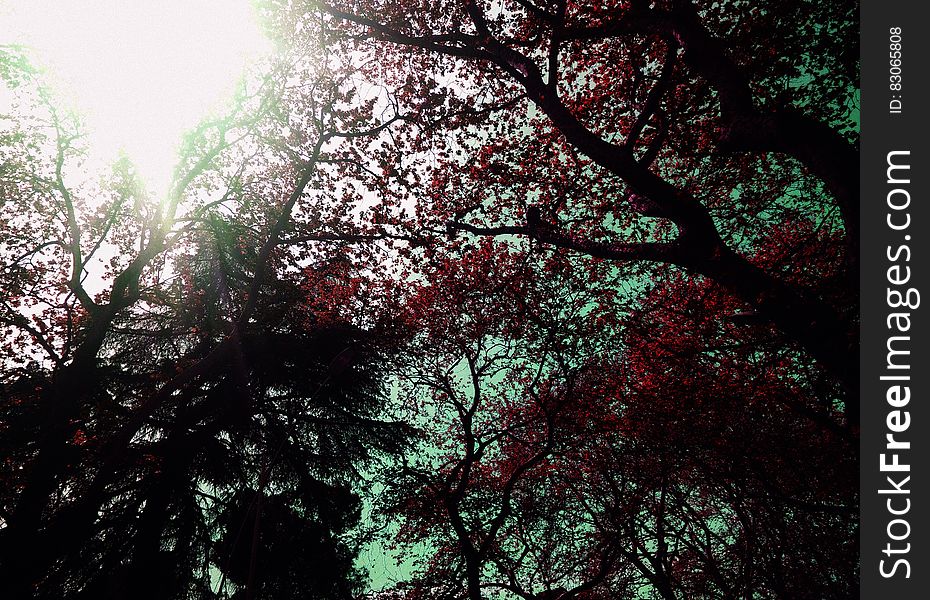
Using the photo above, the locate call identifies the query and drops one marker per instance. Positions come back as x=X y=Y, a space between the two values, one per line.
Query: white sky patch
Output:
x=140 y=72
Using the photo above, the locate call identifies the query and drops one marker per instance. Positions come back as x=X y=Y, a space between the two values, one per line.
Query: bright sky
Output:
x=142 y=72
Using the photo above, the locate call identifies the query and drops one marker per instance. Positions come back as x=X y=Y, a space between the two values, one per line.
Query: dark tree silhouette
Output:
x=174 y=399
x=674 y=132
x=702 y=458
x=601 y=258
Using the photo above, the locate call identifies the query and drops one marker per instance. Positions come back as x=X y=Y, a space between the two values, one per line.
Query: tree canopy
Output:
x=551 y=299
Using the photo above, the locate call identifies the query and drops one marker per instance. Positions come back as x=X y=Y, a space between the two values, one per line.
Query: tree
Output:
x=602 y=255
x=488 y=384
x=708 y=458
x=173 y=401
x=671 y=132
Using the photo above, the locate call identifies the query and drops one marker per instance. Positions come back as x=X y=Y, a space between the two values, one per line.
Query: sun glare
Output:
x=141 y=73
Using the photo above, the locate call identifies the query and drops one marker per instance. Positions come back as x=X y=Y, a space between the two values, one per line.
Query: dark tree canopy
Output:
x=549 y=299
x=667 y=132
x=183 y=417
